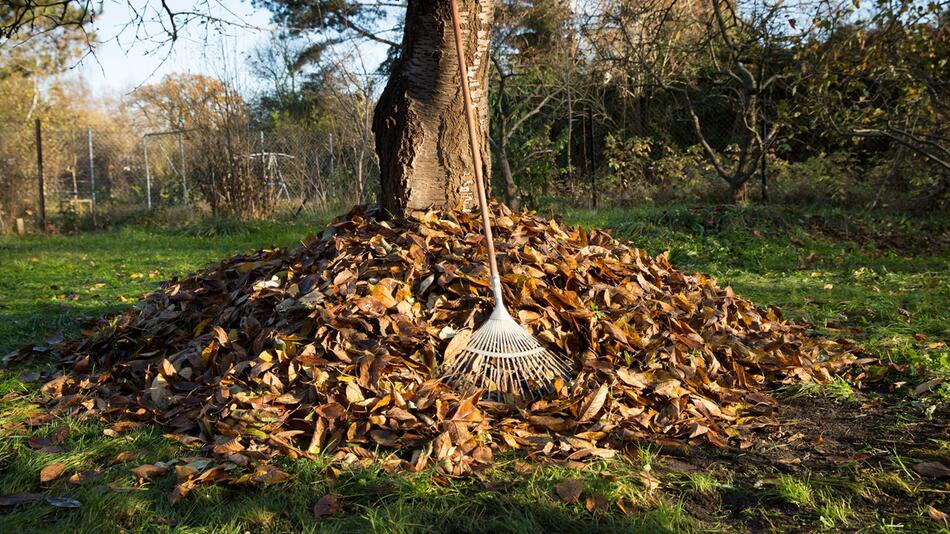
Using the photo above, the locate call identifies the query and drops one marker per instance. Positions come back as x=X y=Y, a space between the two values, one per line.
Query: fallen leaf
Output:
x=149 y=471
x=38 y=442
x=327 y=505
x=938 y=516
x=84 y=476
x=63 y=502
x=333 y=410
x=334 y=347
x=183 y=472
x=569 y=490
x=353 y=393
x=383 y=437
x=122 y=457
x=650 y=482
x=933 y=469
x=59 y=435
x=593 y=403
x=928 y=385
x=596 y=503
x=51 y=472
x=17 y=499
x=456 y=345
x=267 y=475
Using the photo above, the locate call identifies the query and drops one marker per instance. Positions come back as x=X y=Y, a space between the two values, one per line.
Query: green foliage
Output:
x=794 y=491
x=877 y=79
x=823 y=178
x=645 y=169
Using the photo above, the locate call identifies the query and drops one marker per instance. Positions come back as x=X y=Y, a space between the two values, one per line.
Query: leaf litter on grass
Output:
x=334 y=348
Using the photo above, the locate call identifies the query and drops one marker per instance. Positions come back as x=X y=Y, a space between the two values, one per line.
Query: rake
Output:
x=501 y=358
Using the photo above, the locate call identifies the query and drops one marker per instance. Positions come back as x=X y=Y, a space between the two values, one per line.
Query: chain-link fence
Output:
x=93 y=175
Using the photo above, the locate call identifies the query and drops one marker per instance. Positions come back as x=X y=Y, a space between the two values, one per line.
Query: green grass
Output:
x=794 y=491
x=892 y=300
x=702 y=483
x=46 y=283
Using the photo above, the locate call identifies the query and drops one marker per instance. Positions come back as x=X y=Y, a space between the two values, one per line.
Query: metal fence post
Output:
x=181 y=158
x=331 y=154
x=593 y=175
x=267 y=185
x=92 y=177
x=763 y=172
x=148 y=175
x=39 y=173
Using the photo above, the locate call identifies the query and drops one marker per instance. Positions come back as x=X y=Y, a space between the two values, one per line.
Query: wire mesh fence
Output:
x=90 y=174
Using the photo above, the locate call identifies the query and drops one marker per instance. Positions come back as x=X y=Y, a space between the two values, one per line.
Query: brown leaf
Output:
x=18 y=499
x=353 y=393
x=180 y=491
x=593 y=403
x=456 y=345
x=570 y=490
x=649 y=481
x=523 y=468
x=928 y=385
x=166 y=368
x=557 y=424
x=327 y=505
x=183 y=472
x=333 y=410
x=38 y=442
x=938 y=516
x=595 y=503
x=230 y=446
x=221 y=336
x=148 y=471
x=59 y=435
x=122 y=457
x=384 y=437
x=335 y=343
x=267 y=475
x=670 y=389
x=631 y=378
x=51 y=472
x=84 y=476
x=933 y=469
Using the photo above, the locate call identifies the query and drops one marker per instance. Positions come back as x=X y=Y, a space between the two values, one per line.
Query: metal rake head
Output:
x=507 y=362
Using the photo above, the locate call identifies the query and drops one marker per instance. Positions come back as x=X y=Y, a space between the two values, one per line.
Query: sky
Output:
x=127 y=56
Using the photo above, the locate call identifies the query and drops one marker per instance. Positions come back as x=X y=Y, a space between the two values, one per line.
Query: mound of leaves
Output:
x=334 y=348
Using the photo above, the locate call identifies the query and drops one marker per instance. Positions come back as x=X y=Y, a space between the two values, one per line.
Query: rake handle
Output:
x=473 y=142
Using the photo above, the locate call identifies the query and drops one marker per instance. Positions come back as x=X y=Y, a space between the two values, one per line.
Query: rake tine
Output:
x=502 y=352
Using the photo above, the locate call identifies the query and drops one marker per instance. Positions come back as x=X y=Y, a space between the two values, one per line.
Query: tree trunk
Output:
x=419 y=122
x=738 y=192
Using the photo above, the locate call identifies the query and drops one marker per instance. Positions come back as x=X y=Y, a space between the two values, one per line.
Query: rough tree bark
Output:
x=419 y=122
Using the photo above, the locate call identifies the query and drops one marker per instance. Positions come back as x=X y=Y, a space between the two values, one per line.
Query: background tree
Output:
x=884 y=81
x=418 y=121
x=38 y=44
x=529 y=37
x=736 y=79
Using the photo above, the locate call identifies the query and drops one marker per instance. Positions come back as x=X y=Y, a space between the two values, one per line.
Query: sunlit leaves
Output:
x=332 y=349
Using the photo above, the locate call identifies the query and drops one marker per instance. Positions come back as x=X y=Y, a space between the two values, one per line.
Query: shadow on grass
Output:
x=44 y=320
x=371 y=500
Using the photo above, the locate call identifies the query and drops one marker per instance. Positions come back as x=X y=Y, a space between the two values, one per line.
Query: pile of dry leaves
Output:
x=334 y=348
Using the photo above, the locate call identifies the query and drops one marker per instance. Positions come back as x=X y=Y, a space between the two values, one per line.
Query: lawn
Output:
x=843 y=458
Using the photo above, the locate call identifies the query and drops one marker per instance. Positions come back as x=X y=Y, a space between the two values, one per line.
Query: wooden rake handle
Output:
x=473 y=141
